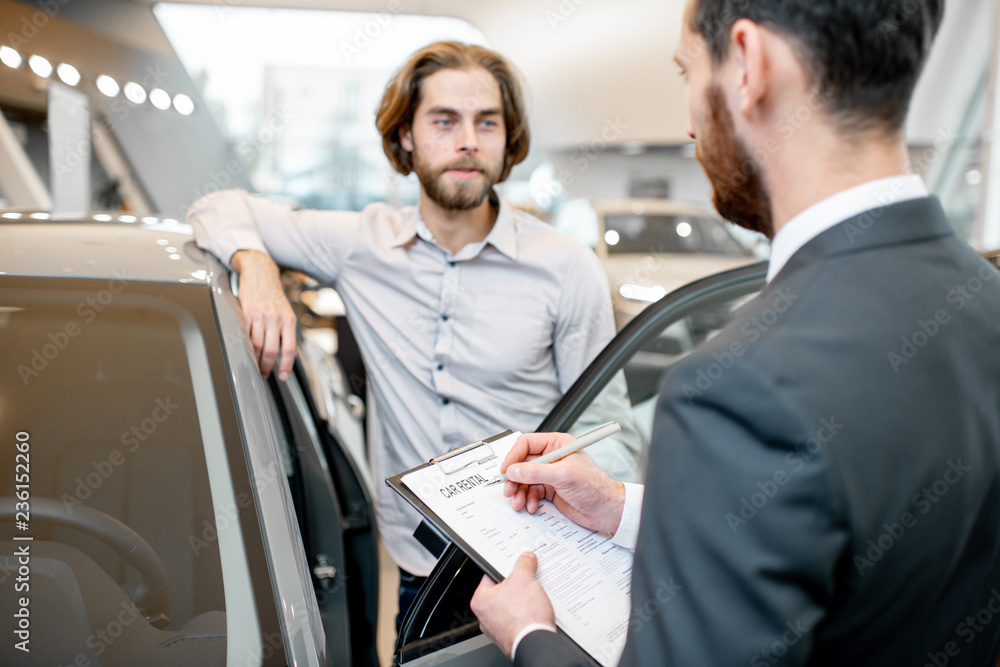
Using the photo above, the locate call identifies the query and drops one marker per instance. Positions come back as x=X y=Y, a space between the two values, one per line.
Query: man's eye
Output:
x=489 y=123
x=443 y=122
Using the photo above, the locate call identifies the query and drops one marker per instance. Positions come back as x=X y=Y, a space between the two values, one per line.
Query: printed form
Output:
x=587 y=577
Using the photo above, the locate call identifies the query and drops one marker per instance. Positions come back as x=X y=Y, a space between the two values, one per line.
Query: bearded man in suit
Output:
x=863 y=423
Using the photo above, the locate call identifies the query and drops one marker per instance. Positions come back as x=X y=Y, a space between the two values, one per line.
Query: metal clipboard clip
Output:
x=456 y=459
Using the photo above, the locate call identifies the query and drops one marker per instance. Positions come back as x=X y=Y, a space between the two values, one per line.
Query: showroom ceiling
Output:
x=587 y=62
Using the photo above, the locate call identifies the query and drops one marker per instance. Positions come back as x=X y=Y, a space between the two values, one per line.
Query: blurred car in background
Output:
x=650 y=247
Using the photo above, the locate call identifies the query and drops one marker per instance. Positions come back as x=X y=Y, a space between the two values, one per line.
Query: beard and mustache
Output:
x=738 y=192
x=455 y=195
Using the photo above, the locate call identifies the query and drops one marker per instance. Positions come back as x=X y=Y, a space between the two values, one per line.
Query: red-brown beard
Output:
x=738 y=192
x=456 y=195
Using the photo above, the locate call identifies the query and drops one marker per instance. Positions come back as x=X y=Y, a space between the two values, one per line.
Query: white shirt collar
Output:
x=846 y=204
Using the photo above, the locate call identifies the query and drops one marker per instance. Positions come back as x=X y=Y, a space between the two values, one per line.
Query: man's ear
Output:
x=751 y=66
x=406 y=138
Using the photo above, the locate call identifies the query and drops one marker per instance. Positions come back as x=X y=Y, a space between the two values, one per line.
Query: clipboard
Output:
x=396 y=483
x=450 y=533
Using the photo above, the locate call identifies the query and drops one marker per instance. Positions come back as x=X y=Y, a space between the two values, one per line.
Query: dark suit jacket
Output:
x=828 y=467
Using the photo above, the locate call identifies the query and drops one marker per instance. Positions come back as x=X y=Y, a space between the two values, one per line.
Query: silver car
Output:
x=650 y=247
x=161 y=503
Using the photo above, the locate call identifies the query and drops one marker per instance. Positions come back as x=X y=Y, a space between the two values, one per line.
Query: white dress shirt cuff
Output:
x=233 y=241
x=628 y=530
x=528 y=629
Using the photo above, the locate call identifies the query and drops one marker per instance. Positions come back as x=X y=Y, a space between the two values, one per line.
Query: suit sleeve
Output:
x=739 y=537
x=551 y=650
x=314 y=242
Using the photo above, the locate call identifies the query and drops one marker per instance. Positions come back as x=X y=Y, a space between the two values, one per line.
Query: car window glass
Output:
x=629 y=396
x=124 y=485
x=650 y=233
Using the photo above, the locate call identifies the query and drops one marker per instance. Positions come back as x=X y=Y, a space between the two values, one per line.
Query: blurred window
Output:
x=296 y=92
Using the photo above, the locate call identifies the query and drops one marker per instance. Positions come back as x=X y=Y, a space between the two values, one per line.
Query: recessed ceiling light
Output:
x=159 y=99
x=183 y=104
x=40 y=66
x=102 y=217
x=135 y=93
x=69 y=74
x=107 y=85
x=10 y=57
x=41 y=216
x=149 y=220
x=127 y=218
x=11 y=216
x=175 y=256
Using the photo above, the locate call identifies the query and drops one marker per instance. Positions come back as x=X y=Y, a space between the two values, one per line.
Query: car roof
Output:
x=100 y=245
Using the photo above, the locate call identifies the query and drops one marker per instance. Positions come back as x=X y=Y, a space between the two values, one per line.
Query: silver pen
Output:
x=582 y=441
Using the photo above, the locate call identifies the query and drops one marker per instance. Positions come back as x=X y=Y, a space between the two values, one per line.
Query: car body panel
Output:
x=303 y=629
x=83 y=249
x=667 y=272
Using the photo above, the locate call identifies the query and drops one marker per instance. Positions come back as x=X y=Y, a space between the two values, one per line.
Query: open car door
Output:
x=439 y=628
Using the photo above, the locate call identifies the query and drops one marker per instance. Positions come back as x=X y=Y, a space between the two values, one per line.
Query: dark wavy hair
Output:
x=864 y=56
x=402 y=96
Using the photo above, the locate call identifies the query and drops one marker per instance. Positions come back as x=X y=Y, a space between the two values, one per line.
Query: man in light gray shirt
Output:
x=472 y=317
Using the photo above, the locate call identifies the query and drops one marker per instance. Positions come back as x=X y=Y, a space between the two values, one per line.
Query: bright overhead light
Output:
x=174 y=256
x=183 y=104
x=41 y=216
x=69 y=74
x=10 y=57
x=642 y=292
x=107 y=85
x=102 y=217
x=40 y=66
x=135 y=93
x=149 y=220
x=11 y=216
x=611 y=237
x=684 y=229
x=127 y=218
x=159 y=99
x=169 y=221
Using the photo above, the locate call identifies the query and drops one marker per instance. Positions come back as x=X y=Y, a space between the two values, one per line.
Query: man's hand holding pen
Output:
x=575 y=484
x=581 y=491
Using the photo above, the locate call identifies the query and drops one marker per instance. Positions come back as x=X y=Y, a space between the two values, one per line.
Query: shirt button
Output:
x=445 y=401
x=440 y=367
x=444 y=317
x=452 y=264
